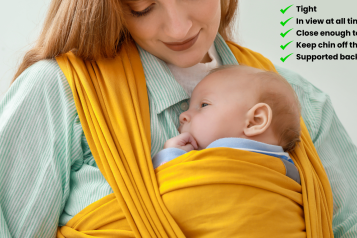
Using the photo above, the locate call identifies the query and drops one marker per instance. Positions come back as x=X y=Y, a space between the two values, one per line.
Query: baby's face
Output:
x=219 y=106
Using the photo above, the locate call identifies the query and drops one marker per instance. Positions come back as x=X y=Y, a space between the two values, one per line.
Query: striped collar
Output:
x=159 y=76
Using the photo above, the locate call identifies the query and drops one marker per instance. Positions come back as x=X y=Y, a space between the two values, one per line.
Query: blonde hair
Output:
x=286 y=112
x=94 y=29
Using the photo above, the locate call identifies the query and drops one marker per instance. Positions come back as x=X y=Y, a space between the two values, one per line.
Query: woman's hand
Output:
x=184 y=141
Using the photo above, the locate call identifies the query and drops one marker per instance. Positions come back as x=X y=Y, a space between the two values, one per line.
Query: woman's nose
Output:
x=177 y=23
x=184 y=117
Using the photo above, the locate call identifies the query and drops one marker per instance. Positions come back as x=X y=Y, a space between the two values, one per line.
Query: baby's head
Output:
x=244 y=102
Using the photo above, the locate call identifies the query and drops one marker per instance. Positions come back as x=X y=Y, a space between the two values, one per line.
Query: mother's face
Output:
x=179 y=32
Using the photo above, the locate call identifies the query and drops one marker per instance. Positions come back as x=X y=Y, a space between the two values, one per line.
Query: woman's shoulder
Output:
x=44 y=74
x=43 y=81
x=40 y=95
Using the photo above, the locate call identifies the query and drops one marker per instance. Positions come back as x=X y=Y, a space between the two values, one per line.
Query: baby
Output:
x=239 y=107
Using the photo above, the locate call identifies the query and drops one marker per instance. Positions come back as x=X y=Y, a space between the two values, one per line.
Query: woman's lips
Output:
x=180 y=46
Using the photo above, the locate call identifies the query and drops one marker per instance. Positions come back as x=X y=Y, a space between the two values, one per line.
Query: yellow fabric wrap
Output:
x=218 y=192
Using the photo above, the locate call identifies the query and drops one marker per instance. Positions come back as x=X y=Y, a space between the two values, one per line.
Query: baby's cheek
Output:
x=180 y=129
x=205 y=138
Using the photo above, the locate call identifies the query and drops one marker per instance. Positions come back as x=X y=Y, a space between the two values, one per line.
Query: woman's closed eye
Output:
x=143 y=12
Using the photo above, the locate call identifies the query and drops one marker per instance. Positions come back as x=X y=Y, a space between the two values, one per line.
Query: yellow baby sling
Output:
x=217 y=192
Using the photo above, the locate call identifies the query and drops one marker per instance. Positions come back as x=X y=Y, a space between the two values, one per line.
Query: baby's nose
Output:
x=184 y=117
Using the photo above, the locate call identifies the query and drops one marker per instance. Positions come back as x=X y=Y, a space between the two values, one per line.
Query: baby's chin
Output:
x=201 y=146
x=202 y=142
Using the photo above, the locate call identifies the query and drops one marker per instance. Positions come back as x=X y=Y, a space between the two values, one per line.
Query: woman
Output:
x=48 y=172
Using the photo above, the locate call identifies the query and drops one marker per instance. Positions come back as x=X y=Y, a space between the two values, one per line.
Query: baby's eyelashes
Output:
x=204 y=104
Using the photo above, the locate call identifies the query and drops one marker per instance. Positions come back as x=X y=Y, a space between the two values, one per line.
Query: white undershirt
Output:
x=189 y=77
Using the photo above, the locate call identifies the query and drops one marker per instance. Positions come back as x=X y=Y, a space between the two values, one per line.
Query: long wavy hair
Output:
x=94 y=29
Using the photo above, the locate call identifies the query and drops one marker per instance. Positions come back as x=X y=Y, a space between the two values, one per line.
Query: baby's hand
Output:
x=184 y=141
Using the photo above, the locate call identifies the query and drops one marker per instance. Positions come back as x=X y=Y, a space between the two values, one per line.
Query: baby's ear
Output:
x=258 y=119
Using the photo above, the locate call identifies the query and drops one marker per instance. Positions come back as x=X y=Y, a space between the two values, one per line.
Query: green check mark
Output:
x=284 y=46
x=283 y=59
x=284 y=34
x=283 y=23
x=284 y=10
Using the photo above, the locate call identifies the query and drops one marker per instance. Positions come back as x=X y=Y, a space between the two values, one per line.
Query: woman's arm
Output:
x=38 y=144
x=335 y=148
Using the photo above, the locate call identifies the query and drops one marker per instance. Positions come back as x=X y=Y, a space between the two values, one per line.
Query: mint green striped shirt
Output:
x=47 y=171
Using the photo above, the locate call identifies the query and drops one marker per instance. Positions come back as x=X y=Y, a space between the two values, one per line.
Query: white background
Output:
x=258 y=28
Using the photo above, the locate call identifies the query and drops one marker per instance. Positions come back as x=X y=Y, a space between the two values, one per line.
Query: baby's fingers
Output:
x=187 y=147
x=193 y=142
x=188 y=138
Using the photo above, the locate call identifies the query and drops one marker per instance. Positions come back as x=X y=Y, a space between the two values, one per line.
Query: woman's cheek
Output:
x=143 y=29
x=209 y=13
